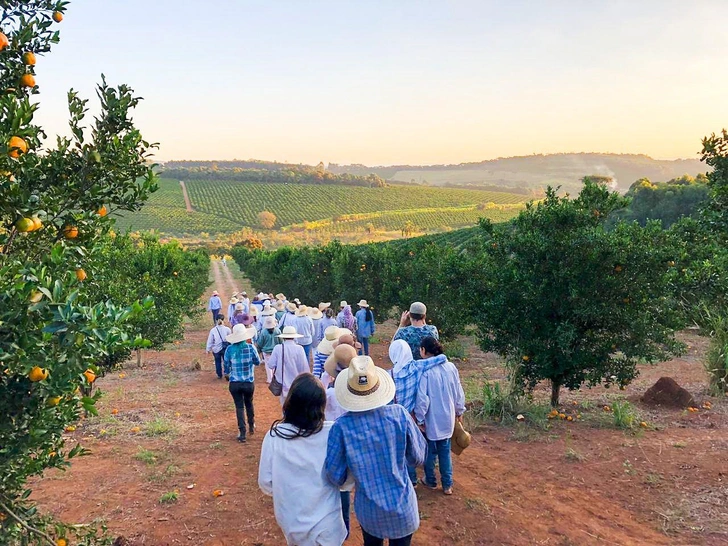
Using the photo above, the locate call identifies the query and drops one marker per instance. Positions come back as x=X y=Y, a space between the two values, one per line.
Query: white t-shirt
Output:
x=306 y=505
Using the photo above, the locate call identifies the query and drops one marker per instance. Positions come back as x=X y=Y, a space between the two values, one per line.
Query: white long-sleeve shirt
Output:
x=216 y=337
x=306 y=505
x=295 y=364
x=440 y=398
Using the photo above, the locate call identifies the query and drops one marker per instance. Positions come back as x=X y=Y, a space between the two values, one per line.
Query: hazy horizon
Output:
x=400 y=83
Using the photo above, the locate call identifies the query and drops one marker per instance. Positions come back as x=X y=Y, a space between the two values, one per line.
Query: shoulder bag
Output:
x=275 y=386
x=225 y=343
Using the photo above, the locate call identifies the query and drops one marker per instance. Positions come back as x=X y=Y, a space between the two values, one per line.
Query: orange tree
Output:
x=54 y=210
x=572 y=302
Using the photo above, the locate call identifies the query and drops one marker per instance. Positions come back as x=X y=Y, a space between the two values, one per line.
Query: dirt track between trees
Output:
x=514 y=486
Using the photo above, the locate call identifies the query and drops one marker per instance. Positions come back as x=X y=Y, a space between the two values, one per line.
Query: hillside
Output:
x=224 y=207
x=535 y=171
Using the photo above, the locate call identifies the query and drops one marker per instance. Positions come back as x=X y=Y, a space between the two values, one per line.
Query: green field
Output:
x=225 y=207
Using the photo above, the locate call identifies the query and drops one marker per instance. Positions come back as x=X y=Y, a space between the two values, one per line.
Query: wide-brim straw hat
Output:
x=363 y=303
x=247 y=319
x=302 y=311
x=239 y=307
x=280 y=296
x=348 y=333
x=324 y=305
x=343 y=304
x=289 y=332
x=268 y=311
x=363 y=386
x=326 y=345
x=279 y=306
x=214 y=293
x=270 y=322
x=240 y=333
x=291 y=307
x=341 y=356
x=254 y=310
x=233 y=300
x=315 y=314
x=460 y=439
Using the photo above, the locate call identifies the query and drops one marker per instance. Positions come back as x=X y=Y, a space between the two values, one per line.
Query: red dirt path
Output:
x=663 y=486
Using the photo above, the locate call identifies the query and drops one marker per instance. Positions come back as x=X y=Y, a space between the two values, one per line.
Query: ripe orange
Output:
x=103 y=211
x=36 y=296
x=114 y=411
x=29 y=58
x=57 y=16
x=80 y=275
x=17 y=147
x=37 y=223
x=37 y=374
x=218 y=493
x=70 y=428
x=27 y=80
x=90 y=376
x=70 y=232
x=4 y=42
x=135 y=430
x=24 y=225
x=526 y=358
x=53 y=401
x=643 y=424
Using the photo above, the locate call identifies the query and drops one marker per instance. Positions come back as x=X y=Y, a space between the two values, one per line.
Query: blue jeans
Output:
x=215 y=313
x=218 y=362
x=412 y=471
x=439 y=449
x=346 y=508
x=364 y=346
x=307 y=349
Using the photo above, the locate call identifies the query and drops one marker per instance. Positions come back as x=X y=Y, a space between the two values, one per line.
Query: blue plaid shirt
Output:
x=407 y=378
x=239 y=361
x=413 y=335
x=376 y=446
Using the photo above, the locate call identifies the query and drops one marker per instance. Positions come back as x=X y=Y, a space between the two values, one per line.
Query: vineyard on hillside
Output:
x=226 y=206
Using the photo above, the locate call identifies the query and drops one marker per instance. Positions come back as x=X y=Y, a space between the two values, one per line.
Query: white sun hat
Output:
x=315 y=313
x=343 y=304
x=326 y=345
x=268 y=311
x=269 y=322
x=302 y=311
x=289 y=332
x=291 y=307
x=241 y=333
x=363 y=386
x=324 y=305
x=363 y=303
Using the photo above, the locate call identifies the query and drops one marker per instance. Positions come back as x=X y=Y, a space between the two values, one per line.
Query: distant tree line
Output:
x=291 y=174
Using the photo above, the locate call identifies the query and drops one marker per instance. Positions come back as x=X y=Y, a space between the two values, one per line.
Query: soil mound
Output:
x=666 y=392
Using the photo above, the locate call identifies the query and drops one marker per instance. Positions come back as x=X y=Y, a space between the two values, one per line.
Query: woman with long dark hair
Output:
x=307 y=506
x=365 y=327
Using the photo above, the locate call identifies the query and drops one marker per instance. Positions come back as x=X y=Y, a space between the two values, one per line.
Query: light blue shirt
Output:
x=364 y=327
x=440 y=398
x=214 y=304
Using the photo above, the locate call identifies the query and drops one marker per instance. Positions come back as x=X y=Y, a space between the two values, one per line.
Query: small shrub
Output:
x=716 y=363
x=146 y=456
x=170 y=497
x=455 y=350
x=624 y=414
x=159 y=426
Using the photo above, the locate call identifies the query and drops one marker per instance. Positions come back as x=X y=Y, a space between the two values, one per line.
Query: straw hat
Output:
x=343 y=304
x=460 y=439
x=363 y=303
x=315 y=313
x=233 y=300
x=291 y=307
x=254 y=310
x=280 y=296
x=289 y=332
x=268 y=311
x=241 y=333
x=302 y=311
x=239 y=306
x=279 y=305
x=326 y=345
x=363 y=386
x=270 y=322
x=339 y=359
x=214 y=293
x=324 y=305
x=346 y=339
x=261 y=296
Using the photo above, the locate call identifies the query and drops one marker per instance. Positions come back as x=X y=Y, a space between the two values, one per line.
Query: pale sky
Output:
x=401 y=81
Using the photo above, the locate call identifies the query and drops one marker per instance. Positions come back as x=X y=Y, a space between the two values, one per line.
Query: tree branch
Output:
x=26 y=526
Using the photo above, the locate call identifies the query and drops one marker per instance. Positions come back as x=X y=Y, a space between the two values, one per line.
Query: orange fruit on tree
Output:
x=4 y=42
x=37 y=223
x=37 y=374
x=57 y=16
x=90 y=376
x=17 y=147
x=81 y=275
x=70 y=232
x=24 y=225
x=103 y=211
x=53 y=401
x=27 y=80
x=36 y=296
x=29 y=58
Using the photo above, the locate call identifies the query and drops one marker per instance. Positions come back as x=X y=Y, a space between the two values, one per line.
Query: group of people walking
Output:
x=346 y=423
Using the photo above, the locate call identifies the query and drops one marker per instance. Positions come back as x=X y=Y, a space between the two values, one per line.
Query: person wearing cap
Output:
x=214 y=306
x=216 y=343
x=231 y=305
x=307 y=506
x=266 y=342
x=240 y=359
x=413 y=327
x=373 y=443
x=304 y=326
x=365 y=327
x=440 y=402
x=288 y=360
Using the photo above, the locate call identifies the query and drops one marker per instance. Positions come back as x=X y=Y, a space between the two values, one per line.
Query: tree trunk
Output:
x=555 y=391
x=139 y=358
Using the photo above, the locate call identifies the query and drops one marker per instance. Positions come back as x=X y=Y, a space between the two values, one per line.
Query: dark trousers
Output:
x=364 y=346
x=215 y=313
x=242 y=393
x=370 y=540
x=346 y=509
x=218 y=362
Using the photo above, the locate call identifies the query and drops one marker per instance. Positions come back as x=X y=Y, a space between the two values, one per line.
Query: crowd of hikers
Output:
x=346 y=423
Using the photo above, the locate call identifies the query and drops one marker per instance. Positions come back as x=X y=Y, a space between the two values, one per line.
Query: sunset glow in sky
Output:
x=400 y=81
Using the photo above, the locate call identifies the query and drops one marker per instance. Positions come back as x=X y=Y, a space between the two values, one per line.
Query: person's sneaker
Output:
x=447 y=491
x=252 y=430
x=241 y=439
x=427 y=485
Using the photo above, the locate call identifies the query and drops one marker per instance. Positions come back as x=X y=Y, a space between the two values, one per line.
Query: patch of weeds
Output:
x=477 y=505
x=456 y=350
x=216 y=445
x=147 y=456
x=170 y=380
x=653 y=479
x=672 y=519
x=573 y=456
x=624 y=415
x=159 y=426
x=169 y=472
x=170 y=497
x=629 y=467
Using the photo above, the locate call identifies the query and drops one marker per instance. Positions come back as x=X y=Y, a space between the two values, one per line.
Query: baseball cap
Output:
x=418 y=308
